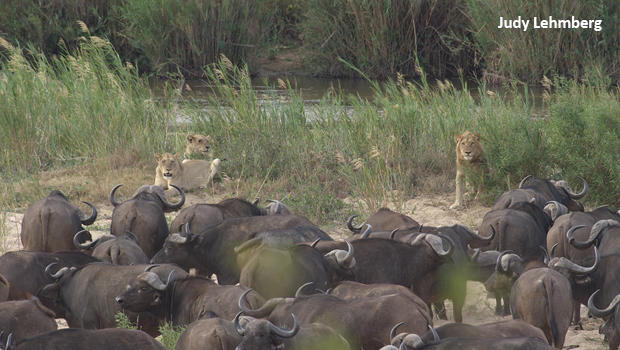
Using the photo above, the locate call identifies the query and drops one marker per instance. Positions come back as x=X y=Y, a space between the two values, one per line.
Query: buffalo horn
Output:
x=393 y=233
x=393 y=331
x=152 y=266
x=285 y=333
x=353 y=228
x=112 y=199
x=93 y=215
x=173 y=206
x=9 y=341
x=238 y=327
x=483 y=238
x=313 y=245
x=475 y=255
x=86 y=235
x=575 y=268
x=256 y=200
x=262 y=311
x=552 y=252
x=131 y=235
x=278 y=204
x=348 y=260
x=522 y=183
x=595 y=232
x=546 y=259
x=300 y=291
x=564 y=185
x=437 y=244
x=435 y=335
x=602 y=312
x=153 y=280
x=58 y=273
x=498 y=263
x=366 y=232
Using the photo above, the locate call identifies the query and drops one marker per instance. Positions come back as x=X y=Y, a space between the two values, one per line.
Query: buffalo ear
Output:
x=157 y=156
x=190 y=138
x=457 y=138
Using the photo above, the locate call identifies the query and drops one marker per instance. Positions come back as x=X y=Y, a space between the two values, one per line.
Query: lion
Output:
x=469 y=160
x=189 y=174
x=198 y=147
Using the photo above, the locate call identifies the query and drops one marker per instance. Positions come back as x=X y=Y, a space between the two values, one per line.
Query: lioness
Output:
x=198 y=147
x=189 y=174
x=469 y=157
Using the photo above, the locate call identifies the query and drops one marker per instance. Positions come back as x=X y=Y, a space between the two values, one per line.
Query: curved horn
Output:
x=351 y=227
x=153 y=280
x=498 y=263
x=435 y=335
x=238 y=327
x=93 y=215
x=393 y=331
x=313 y=245
x=279 y=205
x=49 y=267
x=602 y=312
x=112 y=199
x=579 y=195
x=475 y=255
x=480 y=237
x=262 y=311
x=571 y=232
x=552 y=252
x=595 y=232
x=347 y=260
x=575 y=268
x=77 y=238
x=9 y=341
x=300 y=291
x=58 y=273
x=393 y=233
x=177 y=205
x=150 y=267
x=132 y=236
x=366 y=232
x=256 y=200
x=522 y=183
x=438 y=248
x=546 y=259
x=285 y=333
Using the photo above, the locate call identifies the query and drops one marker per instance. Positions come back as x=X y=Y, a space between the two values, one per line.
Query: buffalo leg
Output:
x=440 y=309
x=498 y=305
x=577 y=315
x=506 y=305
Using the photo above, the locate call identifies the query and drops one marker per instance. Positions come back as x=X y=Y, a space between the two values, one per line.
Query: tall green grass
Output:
x=385 y=37
x=75 y=108
x=578 y=53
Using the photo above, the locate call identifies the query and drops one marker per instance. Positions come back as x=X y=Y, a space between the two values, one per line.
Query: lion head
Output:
x=198 y=144
x=468 y=147
x=168 y=164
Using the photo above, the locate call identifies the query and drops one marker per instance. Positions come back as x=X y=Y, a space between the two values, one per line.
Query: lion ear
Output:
x=477 y=136
x=457 y=138
x=190 y=138
x=208 y=137
x=176 y=155
x=157 y=156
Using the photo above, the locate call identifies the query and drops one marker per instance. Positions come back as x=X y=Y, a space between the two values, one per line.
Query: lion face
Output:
x=168 y=164
x=198 y=144
x=468 y=146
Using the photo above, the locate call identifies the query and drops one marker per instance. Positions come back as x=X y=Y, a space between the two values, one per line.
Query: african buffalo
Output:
x=181 y=300
x=260 y=334
x=202 y=216
x=276 y=272
x=212 y=250
x=350 y=290
x=49 y=224
x=541 y=297
x=507 y=268
x=364 y=322
x=26 y=318
x=143 y=215
x=85 y=296
x=540 y=192
x=384 y=220
x=498 y=329
x=211 y=333
x=25 y=270
x=85 y=339
x=117 y=250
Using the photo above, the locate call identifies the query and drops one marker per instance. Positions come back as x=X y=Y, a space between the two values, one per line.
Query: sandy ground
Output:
x=427 y=209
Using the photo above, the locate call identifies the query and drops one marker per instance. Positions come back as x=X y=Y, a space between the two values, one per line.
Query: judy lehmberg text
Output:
x=550 y=23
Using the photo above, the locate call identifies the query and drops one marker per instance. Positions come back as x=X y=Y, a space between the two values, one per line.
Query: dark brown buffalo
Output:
x=260 y=334
x=384 y=220
x=541 y=297
x=211 y=333
x=605 y=234
x=4 y=288
x=202 y=216
x=26 y=318
x=85 y=296
x=212 y=250
x=498 y=329
x=364 y=322
x=415 y=265
x=85 y=339
x=506 y=269
x=540 y=192
x=49 y=224
x=121 y=250
x=350 y=290
x=276 y=272
x=143 y=215
x=521 y=229
x=182 y=300
x=25 y=270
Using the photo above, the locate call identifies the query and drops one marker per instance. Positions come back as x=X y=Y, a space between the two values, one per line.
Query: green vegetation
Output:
x=85 y=110
x=444 y=38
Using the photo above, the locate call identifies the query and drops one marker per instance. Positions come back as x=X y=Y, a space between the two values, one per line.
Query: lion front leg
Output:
x=215 y=168
x=458 y=202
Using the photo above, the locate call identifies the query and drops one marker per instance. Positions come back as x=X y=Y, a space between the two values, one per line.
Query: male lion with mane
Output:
x=469 y=161
x=189 y=174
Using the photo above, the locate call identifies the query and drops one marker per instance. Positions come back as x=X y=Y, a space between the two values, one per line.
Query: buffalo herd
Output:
x=236 y=275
